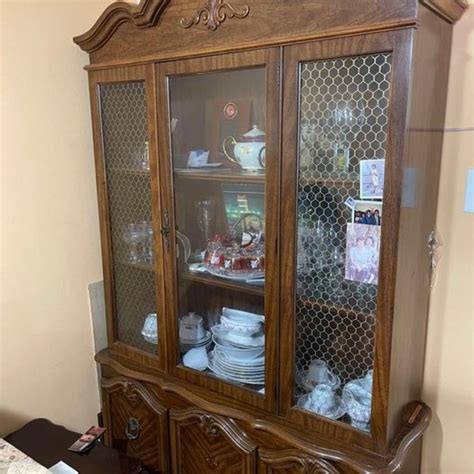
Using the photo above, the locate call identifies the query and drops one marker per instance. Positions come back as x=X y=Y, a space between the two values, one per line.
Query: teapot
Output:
x=359 y=403
x=249 y=153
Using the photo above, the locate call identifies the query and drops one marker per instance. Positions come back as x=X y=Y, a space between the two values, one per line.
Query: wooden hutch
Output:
x=279 y=158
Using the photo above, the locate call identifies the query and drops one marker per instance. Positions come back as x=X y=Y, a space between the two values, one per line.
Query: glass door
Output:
x=339 y=179
x=126 y=179
x=219 y=223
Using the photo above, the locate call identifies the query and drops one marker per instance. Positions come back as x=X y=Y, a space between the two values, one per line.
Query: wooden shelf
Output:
x=221 y=175
x=222 y=283
x=329 y=307
x=140 y=266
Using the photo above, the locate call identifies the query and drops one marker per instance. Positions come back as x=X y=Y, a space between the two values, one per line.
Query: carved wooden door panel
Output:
x=292 y=462
x=205 y=443
x=136 y=423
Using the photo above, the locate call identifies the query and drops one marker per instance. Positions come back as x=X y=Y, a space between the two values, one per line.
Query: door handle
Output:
x=166 y=230
x=132 y=430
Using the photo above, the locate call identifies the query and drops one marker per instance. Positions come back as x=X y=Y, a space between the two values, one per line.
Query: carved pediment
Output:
x=143 y=15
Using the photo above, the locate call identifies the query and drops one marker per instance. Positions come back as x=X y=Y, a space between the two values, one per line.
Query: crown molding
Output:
x=143 y=15
x=451 y=10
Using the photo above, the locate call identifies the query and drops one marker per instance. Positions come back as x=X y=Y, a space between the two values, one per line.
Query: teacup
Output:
x=318 y=373
x=191 y=327
x=322 y=399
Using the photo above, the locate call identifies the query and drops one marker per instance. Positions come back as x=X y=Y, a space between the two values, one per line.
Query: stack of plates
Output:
x=239 y=352
x=246 y=371
x=186 y=345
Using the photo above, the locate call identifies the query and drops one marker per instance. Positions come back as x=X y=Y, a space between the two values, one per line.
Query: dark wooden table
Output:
x=47 y=444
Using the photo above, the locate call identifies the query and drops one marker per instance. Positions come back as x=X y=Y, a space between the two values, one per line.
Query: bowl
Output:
x=150 y=329
x=247 y=327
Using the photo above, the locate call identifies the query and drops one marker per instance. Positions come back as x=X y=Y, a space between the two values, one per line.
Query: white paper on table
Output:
x=62 y=468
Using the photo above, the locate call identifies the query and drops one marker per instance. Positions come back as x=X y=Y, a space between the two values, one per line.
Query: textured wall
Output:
x=49 y=225
x=449 y=373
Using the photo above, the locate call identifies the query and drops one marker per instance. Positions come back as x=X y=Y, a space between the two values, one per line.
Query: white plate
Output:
x=240 y=277
x=240 y=315
x=241 y=355
x=234 y=340
x=234 y=373
x=234 y=378
x=239 y=370
x=189 y=342
x=340 y=411
x=257 y=362
x=197 y=268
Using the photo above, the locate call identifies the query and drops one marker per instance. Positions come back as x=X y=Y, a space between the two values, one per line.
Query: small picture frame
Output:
x=362 y=253
x=367 y=212
x=372 y=178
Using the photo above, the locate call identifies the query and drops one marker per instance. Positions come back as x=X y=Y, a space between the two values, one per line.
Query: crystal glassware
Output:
x=132 y=236
x=206 y=218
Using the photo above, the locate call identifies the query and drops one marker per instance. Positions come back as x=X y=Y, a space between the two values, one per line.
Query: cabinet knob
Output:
x=132 y=430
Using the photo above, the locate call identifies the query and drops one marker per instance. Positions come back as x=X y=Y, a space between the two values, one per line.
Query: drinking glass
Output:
x=132 y=236
x=206 y=218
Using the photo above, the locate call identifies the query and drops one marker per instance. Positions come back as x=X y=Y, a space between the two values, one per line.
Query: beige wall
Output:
x=449 y=373
x=49 y=225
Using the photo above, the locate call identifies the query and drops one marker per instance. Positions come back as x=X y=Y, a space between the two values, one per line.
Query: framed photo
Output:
x=362 y=253
x=367 y=212
x=372 y=178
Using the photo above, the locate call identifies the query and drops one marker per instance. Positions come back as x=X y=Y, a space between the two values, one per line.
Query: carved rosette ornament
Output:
x=215 y=13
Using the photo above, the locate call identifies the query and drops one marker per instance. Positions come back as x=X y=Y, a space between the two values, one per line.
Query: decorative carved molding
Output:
x=288 y=459
x=391 y=463
x=214 y=14
x=451 y=10
x=143 y=15
x=214 y=425
x=134 y=391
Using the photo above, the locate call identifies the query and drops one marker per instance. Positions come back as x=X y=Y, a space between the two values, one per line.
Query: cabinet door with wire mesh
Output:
x=339 y=179
x=127 y=216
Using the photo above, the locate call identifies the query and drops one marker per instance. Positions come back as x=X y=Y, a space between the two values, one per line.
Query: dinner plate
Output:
x=245 y=342
x=232 y=377
x=257 y=362
x=241 y=371
x=239 y=277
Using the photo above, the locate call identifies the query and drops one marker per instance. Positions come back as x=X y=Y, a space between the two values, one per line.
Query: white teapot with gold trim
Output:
x=249 y=152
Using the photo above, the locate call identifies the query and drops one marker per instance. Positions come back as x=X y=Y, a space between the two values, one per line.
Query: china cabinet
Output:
x=267 y=177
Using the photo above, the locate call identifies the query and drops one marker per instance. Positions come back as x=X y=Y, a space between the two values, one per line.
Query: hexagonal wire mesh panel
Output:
x=125 y=133
x=343 y=120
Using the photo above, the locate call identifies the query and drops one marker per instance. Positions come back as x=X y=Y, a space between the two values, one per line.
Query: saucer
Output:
x=339 y=412
x=202 y=340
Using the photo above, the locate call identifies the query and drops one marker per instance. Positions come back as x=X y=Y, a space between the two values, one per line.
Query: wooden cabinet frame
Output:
x=146 y=75
x=270 y=59
x=398 y=43
x=149 y=42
